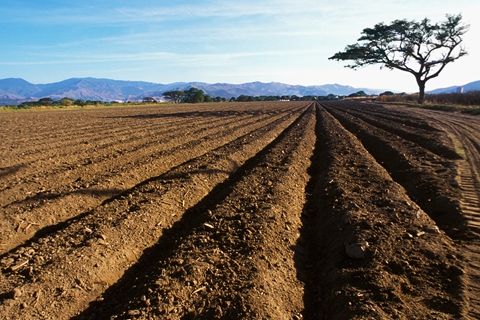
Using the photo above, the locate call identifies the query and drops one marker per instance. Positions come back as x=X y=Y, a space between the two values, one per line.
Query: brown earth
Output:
x=290 y=210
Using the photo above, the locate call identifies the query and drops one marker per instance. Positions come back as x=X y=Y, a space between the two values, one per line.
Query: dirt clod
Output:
x=357 y=250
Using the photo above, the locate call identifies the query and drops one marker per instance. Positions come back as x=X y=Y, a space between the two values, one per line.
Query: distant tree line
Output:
x=245 y=98
x=194 y=95
x=64 y=102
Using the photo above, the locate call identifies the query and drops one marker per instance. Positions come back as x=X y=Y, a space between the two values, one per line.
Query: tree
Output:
x=358 y=94
x=194 y=95
x=66 y=102
x=174 y=95
x=45 y=101
x=420 y=48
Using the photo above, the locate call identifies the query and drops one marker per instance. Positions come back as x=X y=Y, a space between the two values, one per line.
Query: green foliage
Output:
x=421 y=48
x=174 y=95
x=192 y=95
x=46 y=101
x=64 y=102
x=245 y=98
x=358 y=94
x=67 y=102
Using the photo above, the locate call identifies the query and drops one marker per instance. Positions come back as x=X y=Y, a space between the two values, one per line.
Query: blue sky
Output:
x=213 y=41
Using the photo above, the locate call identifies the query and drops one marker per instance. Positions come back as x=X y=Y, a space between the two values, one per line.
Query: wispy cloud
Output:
x=143 y=14
x=170 y=57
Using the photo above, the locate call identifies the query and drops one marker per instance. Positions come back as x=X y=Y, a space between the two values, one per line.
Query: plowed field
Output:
x=291 y=210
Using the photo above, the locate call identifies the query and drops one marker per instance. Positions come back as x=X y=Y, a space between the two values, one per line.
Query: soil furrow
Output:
x=93 y=252
x=137 y=121
x=61 y=125
x=401 y=118
x=59 y=161
x=464 y=140
x=428 y=179
x=23 y=221
x=426 y=139
x=57 y=124
x=51 y=160
x=230 y=256
x=35 y=147
x=369 y=251
x=77 y=167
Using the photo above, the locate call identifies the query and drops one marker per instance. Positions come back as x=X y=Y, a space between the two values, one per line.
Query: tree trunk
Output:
x=421 y=92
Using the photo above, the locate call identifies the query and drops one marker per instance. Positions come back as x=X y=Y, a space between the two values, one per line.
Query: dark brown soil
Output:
x=240 y=211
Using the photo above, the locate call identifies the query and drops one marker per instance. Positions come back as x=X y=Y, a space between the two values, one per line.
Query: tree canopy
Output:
x=421 y=48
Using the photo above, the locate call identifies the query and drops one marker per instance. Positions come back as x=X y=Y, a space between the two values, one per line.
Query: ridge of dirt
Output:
x=428 y=179
x=122 y=154
x=428 y=139
x=408 y=271
x=465 y=136
x=403 y=117
x=245 y=228
x=44 y=210
x=276 y=210
x=75 y=264
x=117 y=145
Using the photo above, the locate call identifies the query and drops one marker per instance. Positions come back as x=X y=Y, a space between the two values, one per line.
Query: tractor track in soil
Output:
x=106 y=246
x=465 y=135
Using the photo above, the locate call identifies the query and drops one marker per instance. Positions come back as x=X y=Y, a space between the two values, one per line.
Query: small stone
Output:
x=19 y=265
x=17 y=293
x=433 y=229
x=420 y=233
x=208 y=225
x=134 y=312
x=356 y=250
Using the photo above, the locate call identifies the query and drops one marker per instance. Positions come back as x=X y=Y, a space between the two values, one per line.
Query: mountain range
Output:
x=472 y=86
x=16 y=90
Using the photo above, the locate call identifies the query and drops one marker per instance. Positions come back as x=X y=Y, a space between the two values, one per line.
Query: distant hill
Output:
x=16 y=90
x=472 y=86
